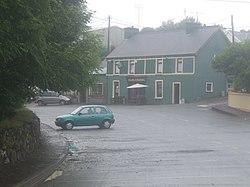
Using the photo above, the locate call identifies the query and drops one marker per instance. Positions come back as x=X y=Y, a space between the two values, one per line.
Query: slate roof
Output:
x=163 y=43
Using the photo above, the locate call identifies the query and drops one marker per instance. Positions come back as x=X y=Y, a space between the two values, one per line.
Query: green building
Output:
x=165 y=67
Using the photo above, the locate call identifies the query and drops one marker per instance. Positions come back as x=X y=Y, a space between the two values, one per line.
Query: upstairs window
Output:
x=131 y=67
x=117 y=67
x=179 y=65
x=159 y=66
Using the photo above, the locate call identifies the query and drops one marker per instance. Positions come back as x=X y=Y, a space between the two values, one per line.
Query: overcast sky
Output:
x=151 y=13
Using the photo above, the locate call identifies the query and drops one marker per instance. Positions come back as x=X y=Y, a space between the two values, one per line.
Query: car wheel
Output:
x=62 y=102
x=68 y=125
x=40 y=103
x=106 y=124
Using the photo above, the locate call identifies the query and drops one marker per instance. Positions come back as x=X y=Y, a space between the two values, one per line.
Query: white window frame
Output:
x=179 y=65
x=116 y=89
x=90 y=89
x=117 y=65
x=173 y=91
x=211 y=85
x=159 y=66
x=131 y=66
x=156 y=89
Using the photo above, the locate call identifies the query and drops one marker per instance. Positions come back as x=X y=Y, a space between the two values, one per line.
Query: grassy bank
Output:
x=22 y=116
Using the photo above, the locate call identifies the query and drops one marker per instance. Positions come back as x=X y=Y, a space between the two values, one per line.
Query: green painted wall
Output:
x=139 y=67
x=188 y=65
x=169 y=66
x=123 y=87
x=124 y=67
x=150 y=66
x=204 y=70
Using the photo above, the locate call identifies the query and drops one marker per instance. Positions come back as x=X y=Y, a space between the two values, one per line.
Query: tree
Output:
x=147 y=29
x=170 y=25
x=235 y=63
x=45 y=44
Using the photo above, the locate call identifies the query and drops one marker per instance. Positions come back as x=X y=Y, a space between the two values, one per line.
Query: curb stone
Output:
x=223 y=111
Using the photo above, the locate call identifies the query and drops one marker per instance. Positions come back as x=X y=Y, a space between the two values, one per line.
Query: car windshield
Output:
x=76 y=111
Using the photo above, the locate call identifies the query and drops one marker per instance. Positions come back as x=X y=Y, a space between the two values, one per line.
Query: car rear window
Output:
x=100 y=110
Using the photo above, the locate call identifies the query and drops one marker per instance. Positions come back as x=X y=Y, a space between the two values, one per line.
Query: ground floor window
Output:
x=159 y=89
x=116 y=88
x=209 y=87
x=96 y=90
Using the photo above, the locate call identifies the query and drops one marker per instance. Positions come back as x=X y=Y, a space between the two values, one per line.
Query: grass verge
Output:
x=23 y=116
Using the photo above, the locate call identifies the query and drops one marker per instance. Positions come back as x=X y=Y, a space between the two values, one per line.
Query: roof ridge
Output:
x=177 y=29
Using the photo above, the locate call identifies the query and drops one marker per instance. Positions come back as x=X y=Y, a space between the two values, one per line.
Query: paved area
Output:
x=223 y=108
x=31 y=172
x=53 y=150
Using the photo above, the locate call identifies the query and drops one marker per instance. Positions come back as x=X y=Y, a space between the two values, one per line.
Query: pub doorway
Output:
x=176 y=93
x=137 y=94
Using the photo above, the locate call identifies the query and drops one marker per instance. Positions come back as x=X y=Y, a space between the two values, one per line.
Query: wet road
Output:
x=166 y=145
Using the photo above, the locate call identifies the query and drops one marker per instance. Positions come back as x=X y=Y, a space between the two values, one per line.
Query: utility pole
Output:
x=232 y=23
x=197 y=15
x=139 y=7
x=108 y=35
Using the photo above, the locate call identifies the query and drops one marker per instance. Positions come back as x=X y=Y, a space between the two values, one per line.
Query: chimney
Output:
x=130 y=31
x=191 y=26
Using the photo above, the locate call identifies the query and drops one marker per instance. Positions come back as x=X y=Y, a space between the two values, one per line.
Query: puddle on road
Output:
x=202 y=106
x=72 y=148
x=57 y=173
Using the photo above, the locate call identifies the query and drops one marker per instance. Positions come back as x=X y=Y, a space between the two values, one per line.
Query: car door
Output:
x=101 y=114
x=50 y=97
x=46 y=97
x=85 y=117
x=54 y=97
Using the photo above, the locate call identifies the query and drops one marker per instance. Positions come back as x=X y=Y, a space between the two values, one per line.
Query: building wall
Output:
x=145 y=68
x=116 y=35
x=206 y=73
x=239 y=101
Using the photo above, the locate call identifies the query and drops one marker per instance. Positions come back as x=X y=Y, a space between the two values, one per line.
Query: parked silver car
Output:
x=51 y=97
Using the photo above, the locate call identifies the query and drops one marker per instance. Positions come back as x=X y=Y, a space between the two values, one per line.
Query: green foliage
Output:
x=22 y=116
x=44 y=44
x=235 y=63
x=171 y=25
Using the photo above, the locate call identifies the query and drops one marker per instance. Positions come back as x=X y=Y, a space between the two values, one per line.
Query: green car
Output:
x=87 y=115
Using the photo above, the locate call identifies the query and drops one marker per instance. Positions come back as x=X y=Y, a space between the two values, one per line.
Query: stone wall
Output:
x=16 y=143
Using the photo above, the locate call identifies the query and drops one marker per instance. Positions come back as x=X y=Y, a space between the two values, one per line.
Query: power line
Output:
x=218 y=21
x=122 y=22
x=102 y=20
x=230 y=1
x=113 y=20
x=99 y=19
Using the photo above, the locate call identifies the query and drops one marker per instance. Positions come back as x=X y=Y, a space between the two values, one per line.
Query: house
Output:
x=112 y=36
x=170 y=67
x=239 y=37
